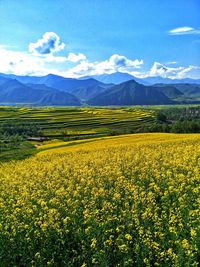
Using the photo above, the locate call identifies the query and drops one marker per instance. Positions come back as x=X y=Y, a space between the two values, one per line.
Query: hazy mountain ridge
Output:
x=12 y=91
x=115 y=78
x=189 y=89
x=57 y=90
x=158 y=79
x=79 y=88
x=119 y=77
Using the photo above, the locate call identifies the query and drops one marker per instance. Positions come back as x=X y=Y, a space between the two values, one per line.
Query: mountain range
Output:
x=120 y=77
x=131 y=93
x=82 y=89
x=14 y=92
x=186 y=89
x=96 y=90
x=114 y=78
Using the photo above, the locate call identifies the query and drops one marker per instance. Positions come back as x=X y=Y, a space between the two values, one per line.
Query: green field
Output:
x=56 y=122
x=70 y=124
x=63 y=124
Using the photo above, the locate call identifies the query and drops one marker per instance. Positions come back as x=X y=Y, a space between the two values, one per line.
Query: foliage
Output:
x=182 y=126
x=185 y=126
x=176 y=120
x=13 y=135
x=182 y=112
x=20 y=128
x=161 y=117
x=123 y=201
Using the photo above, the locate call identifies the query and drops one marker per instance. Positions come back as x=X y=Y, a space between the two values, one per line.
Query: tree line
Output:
x=12 y=133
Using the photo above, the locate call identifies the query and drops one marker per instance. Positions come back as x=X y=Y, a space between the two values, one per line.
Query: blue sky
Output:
x=142 y=37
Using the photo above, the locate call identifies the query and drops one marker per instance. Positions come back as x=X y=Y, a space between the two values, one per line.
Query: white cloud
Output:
x=119 y=61
x=114 y=63
x=76 y=57
x=24 y=63
x=20 y=63
x=49 y=43
x=54 y=59
x=184 y=31
x=159 y=70
x=187 y=71
x=164 y=71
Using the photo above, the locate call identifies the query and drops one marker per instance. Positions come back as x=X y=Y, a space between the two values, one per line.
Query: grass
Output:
x=56 y=122
x=72 y=124
x=22 y=151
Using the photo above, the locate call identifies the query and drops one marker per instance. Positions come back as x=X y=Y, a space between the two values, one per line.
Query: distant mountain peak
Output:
x=133 y=81
x=113 y=78
x=51 y=75
x=130 y=93
x=96 y=90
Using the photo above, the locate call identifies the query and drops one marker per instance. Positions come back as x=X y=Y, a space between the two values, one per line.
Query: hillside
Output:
x=80 y=122
x=3 y=80
x=130 y=93
x=83 y=89
x=170 y=91
x=189 y=89
x=119 y=198
x=93 y=92
x=88 y=92
x=12 y=91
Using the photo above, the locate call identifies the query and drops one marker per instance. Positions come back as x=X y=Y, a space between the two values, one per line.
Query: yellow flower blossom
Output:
x=129 y=200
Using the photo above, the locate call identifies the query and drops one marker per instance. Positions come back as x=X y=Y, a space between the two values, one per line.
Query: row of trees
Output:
x=180 y=113
x=13 y=133
x=176 y=127
x=168 y=121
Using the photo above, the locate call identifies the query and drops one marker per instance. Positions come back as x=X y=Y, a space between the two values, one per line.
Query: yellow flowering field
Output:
x=123 y=201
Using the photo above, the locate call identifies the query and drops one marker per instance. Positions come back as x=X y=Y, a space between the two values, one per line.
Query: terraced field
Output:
x=56 y=122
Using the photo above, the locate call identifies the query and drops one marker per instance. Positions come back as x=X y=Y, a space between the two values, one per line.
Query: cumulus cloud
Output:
x=24 y=63
x=49 y=43
x=184 y=31
x=164 y=71
x=113 y=64
x=186 y=71
x=76 y=57
x=159 y=70
x=119 y=61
